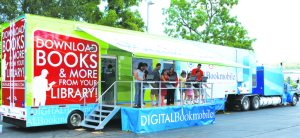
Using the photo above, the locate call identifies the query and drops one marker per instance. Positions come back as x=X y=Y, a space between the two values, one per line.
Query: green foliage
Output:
x=65 y=9
x=295 y=66
x=207 y=21
x=291 y=82
x=117 y=13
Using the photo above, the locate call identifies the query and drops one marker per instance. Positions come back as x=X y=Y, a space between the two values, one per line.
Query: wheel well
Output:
x=71 y=126
x=245 y=97
x=77 y=110
x=251 y=96
x=234 y=101
x=239 y=97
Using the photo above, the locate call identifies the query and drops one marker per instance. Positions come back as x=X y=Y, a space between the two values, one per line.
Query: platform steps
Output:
x=100 y=116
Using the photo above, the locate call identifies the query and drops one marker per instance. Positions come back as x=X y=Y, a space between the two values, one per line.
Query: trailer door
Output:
x=13 y=70
x=108 y=77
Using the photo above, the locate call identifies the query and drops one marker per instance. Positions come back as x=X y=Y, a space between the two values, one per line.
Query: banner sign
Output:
x=164 y=118
x=12 y=64
x=65 y=69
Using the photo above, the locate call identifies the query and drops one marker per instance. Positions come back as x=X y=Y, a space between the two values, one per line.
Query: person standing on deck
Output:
x=164 y=78
x=199 y=75
x=171 y=92
x=156 y=77
x=139 y=77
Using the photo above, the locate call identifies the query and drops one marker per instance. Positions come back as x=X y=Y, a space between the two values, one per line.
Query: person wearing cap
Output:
x=199 y=74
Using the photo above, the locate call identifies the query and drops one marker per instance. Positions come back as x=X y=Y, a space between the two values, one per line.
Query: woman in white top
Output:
x=139 y=77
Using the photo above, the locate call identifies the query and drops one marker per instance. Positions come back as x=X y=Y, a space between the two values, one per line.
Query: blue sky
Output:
x=274 y=23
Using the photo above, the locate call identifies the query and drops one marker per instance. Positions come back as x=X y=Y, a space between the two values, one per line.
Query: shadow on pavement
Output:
x=37 y=129
x=113 y=125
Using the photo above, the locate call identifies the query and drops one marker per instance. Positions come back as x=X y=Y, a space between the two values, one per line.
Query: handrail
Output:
x=106 y=91
x=203 y=95
x=84 y=95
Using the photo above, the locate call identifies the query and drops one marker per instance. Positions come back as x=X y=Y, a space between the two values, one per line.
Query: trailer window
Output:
x=167 y=64
x=254 y=81
x=136 y=61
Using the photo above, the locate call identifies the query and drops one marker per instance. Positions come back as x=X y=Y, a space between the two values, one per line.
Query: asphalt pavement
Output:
x=275 y=122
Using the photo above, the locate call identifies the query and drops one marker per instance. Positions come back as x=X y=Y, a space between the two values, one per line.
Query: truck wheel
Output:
x=255 y=103
x=74 y=119
x=245 y=104
x=294 y=102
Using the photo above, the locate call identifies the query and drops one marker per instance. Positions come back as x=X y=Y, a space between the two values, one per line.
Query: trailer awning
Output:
x=152 y=46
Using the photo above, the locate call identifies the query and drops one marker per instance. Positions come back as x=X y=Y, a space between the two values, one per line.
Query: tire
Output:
x=295 y=100
x=245 y=103
x=74 y=119
x=255 y=103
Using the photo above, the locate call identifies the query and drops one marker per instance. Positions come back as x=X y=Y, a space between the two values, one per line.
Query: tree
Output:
x=207 y=21
x=117 y=13
x=65 y=9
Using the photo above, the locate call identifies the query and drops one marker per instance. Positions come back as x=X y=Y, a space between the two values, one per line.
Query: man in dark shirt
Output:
x=156 y=77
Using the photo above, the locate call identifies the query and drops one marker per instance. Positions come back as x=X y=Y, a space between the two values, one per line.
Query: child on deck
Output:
x=188 y=91
x=182 y=87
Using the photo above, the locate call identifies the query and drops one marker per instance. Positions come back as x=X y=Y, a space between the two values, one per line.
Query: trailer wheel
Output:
x=74 y=119
x=295 y=100
x=245 y=104
x=255 y=103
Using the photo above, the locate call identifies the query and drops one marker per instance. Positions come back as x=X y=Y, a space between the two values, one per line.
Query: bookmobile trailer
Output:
x=51 y=69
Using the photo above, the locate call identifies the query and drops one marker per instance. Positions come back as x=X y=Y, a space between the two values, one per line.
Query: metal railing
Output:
x=202 y=91
x=204 y=96
x=99 y=100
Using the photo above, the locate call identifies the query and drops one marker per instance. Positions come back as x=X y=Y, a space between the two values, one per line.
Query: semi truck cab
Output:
x=270 y=90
